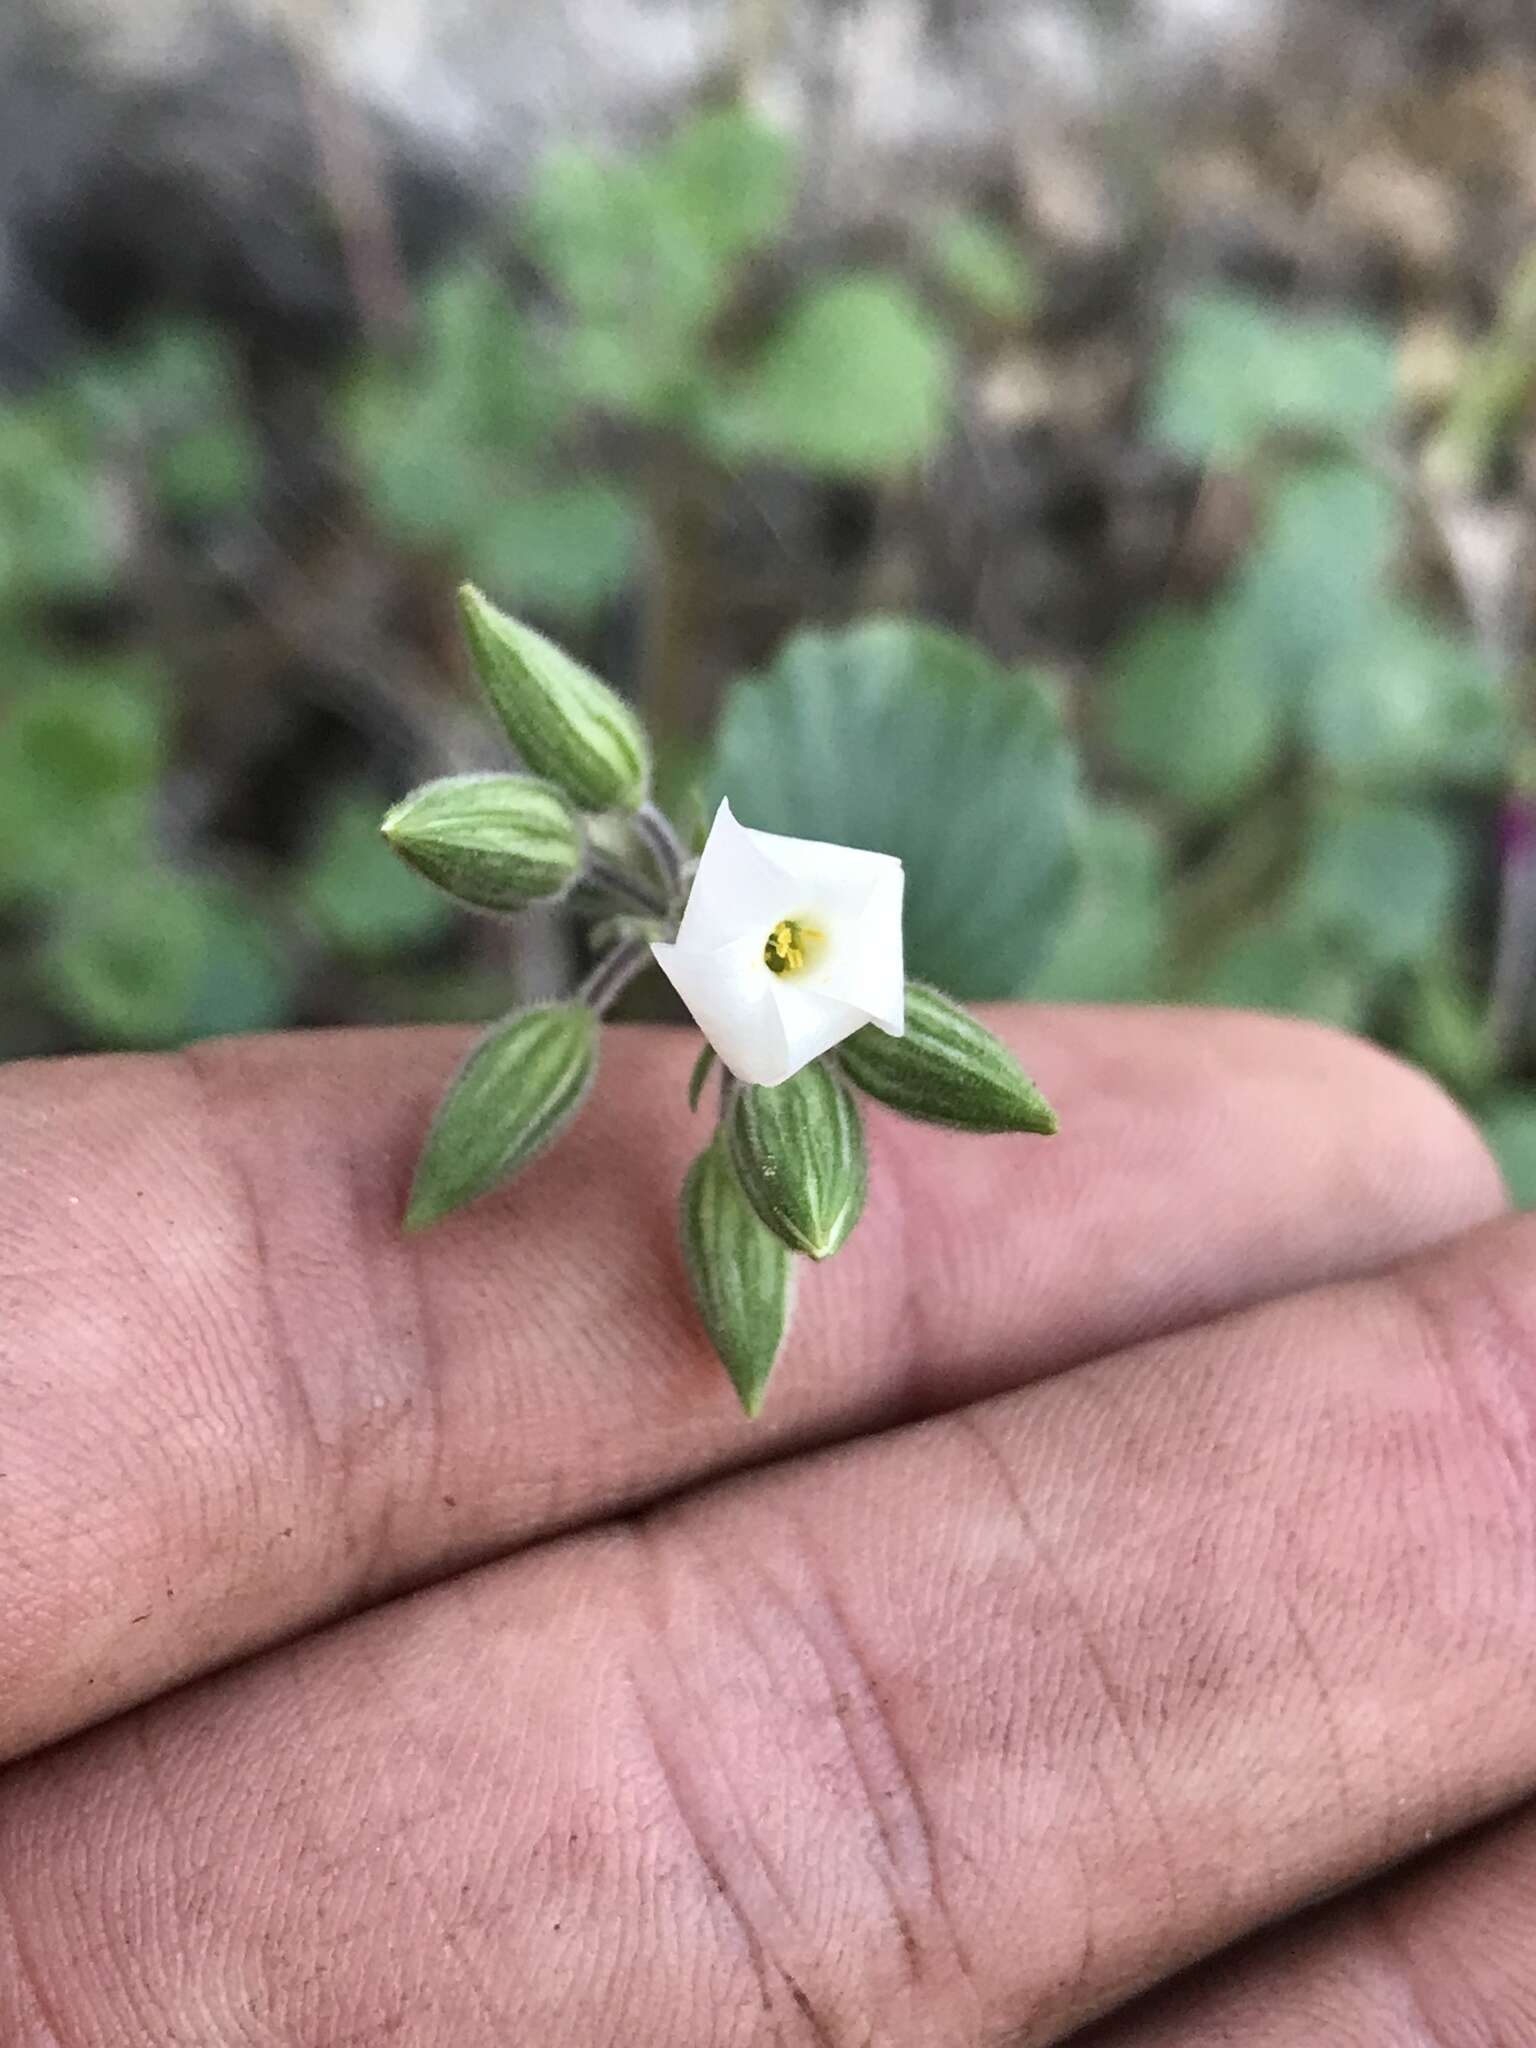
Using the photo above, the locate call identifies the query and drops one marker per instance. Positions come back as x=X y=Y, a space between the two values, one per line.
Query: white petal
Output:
x=737 y=889
x=811 y=1023
x=730 y=995
x=844 y=868
x=865 y=968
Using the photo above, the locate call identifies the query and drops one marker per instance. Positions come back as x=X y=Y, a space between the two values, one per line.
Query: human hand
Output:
x=1175 y=1566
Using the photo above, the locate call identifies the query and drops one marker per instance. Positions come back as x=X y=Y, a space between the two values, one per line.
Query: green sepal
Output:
x=798 y=1150
x=741 y=1276
x=520 y=1087
x=565 y=723
x=947 y=1069
x=498 y=842
x=702 y=1067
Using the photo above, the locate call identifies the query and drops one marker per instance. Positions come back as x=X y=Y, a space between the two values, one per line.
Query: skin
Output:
x=408 y=1641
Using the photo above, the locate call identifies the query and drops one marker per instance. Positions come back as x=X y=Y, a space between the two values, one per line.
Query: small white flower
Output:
x=785 y=947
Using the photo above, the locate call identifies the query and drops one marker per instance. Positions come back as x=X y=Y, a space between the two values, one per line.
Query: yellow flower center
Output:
x=790 y=946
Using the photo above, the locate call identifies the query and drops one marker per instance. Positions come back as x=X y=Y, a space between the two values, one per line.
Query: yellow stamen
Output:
x=789 y=944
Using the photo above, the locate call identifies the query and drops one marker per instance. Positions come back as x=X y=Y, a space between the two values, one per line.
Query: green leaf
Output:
x=566 y=724
x=1113 y=944
x=566 y=548
x=798 y=1151
x=1285 y=964
x=82 y=751
x=1407 y=702
x=642 y=281
x=58 y=534
x=1238 y=369
x=1445 y=1027
x=984 y=265
x=366 y=902
x=126 y=959
x=854 y=382
x=1311 y=593
x=1386 y=878
x=946 y=1069
x=499 y=842
x=1182 y=714
x=517 y=1092
x=910 y=741
x=731 y=178
x=1509 y=1125
x=702 y=1067
x=741 y=1277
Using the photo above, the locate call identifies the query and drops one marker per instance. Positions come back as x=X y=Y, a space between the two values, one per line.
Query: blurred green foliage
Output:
x=1281 y=791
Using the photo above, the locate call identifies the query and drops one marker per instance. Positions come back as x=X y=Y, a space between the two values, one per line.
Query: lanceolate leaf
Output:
x=798 y=1150
x=741 y=1276
x=948 y=1069
x=517 y=1091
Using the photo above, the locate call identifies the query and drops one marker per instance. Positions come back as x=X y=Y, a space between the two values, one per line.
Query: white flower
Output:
x=785 y=947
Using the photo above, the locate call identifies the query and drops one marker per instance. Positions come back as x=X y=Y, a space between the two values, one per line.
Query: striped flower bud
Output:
x=798 y=1150
x=946 y=1069
x=741 y=1276
x=514 y=1095
x=566 y=724
x=496 y=841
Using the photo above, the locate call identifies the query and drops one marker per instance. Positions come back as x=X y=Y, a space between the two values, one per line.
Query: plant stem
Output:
x=661 y=842
x=613 y=974
x=624 y=888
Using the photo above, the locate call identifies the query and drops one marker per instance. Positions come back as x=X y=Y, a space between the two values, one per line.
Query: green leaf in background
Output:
x=640 y=276
x=1113 y=943
x=82 y=750
x=1310 y=595
x=126 y=958
x=245 y=983
x=58 y=531
x=1286 y=964
x=982 y=264
x=368 y=903
x=565 y=548
x=1509 y=1125
x=1184 y=715
x=1445 y=1027
x=1385 y=878
x=731 y=178
x=206 y=470
x=910 y=741
x=853 y=382
x=1407 y=701
x=1237 y=370
x=443 y=435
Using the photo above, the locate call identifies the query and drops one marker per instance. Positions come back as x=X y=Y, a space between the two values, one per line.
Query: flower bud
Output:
x=564 y=722
x=798 y=1150
x=496 y=841
x=516 y=1092
x=741 y=1276
x=947 y=1069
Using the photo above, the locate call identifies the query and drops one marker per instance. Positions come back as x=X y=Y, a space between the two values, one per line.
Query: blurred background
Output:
x=1086 y=447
